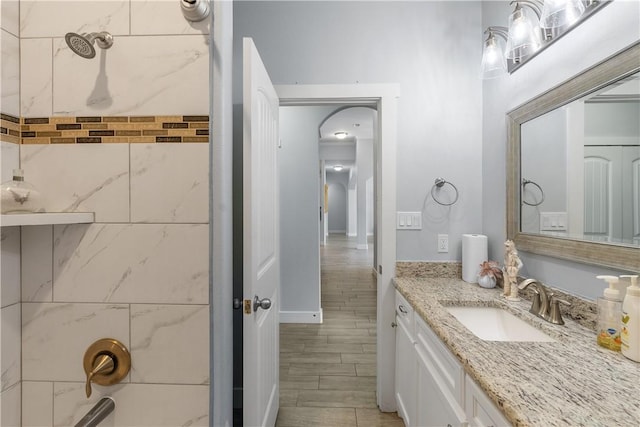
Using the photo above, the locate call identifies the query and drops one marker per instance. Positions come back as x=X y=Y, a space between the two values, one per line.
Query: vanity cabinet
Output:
x=440 y=382
x=481 y=412
x=432 y=388
x=405 y=385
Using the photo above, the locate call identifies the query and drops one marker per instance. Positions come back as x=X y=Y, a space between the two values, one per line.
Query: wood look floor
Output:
x=328 y=371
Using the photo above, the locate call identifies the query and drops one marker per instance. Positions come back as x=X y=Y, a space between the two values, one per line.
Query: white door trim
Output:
x=221 y=215
x=385 y=96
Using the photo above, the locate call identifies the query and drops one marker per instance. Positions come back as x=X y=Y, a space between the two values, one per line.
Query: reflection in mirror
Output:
x=580 y=167
x=573 y=167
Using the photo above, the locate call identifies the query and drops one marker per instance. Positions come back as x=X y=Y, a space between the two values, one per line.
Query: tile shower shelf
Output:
x=46 y=218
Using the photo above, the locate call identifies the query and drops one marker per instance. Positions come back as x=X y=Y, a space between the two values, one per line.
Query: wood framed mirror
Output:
x=582 y=246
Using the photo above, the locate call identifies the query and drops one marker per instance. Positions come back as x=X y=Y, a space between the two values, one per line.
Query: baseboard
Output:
x=301 y=316
x=363 y=246
x=337 y=231
x=352 y=234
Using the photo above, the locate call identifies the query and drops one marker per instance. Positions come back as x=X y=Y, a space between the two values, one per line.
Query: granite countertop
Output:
x=570 y=382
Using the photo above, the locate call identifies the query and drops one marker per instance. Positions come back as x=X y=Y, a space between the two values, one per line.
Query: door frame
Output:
x=385 y=96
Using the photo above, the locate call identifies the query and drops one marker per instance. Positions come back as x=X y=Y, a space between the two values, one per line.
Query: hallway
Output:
x=328 y=371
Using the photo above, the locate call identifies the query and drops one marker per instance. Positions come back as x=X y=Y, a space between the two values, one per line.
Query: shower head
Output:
x=82 y=44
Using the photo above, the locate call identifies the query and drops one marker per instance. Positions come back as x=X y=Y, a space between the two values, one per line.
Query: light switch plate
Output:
x=553 y=221
x=409 y=221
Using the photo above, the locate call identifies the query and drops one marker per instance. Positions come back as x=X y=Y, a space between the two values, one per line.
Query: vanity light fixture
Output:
x=561 y=13
x=340 y=135
x=524 y=34
x=338 y=168
x=528 y=34
x=494 y=62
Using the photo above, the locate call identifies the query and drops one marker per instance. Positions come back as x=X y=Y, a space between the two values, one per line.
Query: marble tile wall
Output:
x=9 y=72
x=10 y=332
x=140 y=273
x=158 y=63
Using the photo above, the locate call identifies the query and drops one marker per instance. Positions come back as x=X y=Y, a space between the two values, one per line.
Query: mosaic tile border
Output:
x=105 y=129
x=9 y=128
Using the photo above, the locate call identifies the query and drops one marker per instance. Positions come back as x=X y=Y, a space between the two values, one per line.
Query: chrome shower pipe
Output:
x=98 y=413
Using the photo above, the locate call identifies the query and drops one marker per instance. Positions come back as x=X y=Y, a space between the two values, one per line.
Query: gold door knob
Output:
x=106 y=362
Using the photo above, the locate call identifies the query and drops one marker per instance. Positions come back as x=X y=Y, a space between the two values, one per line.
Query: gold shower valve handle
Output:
x=102 y=365
x=106 y=362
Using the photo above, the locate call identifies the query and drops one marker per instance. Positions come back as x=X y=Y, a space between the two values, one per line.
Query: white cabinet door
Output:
x=436 y=406
x=405 y=374
x=405 y=361
x=481 y=412
x=432 y=389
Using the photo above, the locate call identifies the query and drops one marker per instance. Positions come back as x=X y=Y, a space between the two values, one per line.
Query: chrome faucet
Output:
x=545 y=304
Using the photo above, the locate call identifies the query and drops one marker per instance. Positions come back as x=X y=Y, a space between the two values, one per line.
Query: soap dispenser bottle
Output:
x=630 y=333
x=609 y=312
x=19 y=196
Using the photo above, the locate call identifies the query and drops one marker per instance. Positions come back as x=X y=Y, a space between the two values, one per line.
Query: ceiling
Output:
x=357 y=122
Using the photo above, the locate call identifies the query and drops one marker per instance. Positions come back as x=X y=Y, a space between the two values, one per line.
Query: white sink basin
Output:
x=496 y=324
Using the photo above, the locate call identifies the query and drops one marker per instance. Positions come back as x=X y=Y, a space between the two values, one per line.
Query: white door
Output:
x=602 y=193
x=612 y=199
x=261 y=247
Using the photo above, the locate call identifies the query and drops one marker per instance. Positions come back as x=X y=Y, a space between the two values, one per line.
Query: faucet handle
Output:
x=536 y=303
x=106 y=362
x=555 y=316
x=102 y=365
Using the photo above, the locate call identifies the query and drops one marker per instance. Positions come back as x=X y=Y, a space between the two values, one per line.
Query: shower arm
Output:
x=103 y=39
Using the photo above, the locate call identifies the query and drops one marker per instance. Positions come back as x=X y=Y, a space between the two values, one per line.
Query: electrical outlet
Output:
x=443 y=243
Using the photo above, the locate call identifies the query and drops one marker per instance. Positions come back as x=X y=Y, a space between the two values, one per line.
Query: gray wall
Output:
x=299 y=176
x=612 y=122
x=451 y=123
x=338 y=182
x=544 y=160
x=607 y=32
x=364 y=194
x=433 y=57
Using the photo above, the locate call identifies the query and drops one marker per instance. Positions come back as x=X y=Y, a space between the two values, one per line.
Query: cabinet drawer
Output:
x=438 y=354
x=481 y=411
x=404 y=314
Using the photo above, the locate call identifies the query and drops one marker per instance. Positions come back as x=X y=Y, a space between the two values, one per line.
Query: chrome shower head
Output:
x=82 y=44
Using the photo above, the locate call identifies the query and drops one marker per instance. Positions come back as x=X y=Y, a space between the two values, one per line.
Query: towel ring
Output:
x=439 y=183
x=524 y=184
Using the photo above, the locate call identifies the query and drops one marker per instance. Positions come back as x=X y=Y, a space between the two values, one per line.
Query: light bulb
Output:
x=560 y=13
x=523 y=36
x=494 y=63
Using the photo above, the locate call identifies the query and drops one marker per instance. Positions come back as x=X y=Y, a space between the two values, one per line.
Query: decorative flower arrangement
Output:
x=490 y=273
